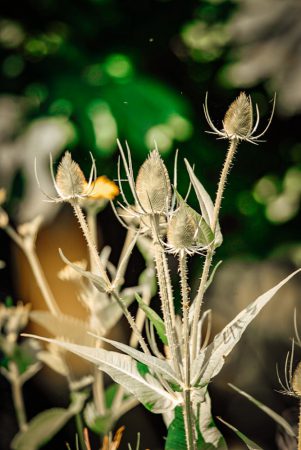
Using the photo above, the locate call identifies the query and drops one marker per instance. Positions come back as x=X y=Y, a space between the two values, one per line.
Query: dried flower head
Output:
x=296 y=380
x=187 y=231
x=238 y=120
x=153 y=186
x=151 y=192
x=70 y=183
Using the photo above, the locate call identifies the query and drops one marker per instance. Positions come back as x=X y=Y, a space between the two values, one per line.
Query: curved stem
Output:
x=35 y=265
x=208 y=260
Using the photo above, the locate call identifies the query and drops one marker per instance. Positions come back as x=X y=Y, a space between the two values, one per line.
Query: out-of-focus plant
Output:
x=104 y=311
x=173 y=383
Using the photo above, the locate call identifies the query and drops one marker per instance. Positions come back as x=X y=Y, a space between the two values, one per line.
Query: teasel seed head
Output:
x=238 y=120
x=153 y=186
x=70 y=180
x=296 y=381
x=187 y=231
x=182 y=229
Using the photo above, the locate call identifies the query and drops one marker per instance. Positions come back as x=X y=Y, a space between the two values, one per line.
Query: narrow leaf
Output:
x=250 y=444
x=123 y=370
x=154 y=318
x=205 y=202
x=276 y=417
x=211 y=360
x=156 y=364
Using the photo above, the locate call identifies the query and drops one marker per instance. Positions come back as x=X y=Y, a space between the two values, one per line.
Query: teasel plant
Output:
x=108 y=403
x=174 y=381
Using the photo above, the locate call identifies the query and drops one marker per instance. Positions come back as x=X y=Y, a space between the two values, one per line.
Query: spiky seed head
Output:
x=238 y=120
x=296 y=381
x=182 y=229
x=153 y=186
x=70 y=180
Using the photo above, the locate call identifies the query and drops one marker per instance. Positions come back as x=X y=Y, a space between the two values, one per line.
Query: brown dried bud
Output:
x=238 y=121
x=70 y=180
x=153 y=186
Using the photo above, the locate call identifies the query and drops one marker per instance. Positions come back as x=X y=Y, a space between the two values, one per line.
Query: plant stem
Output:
x=98 y=385
x=208 y=260
x=132 y=322
x=79 y=428
x=187 y=411
x=91 y=245
x=31 y=255
x=17 y=395
x=165 y=303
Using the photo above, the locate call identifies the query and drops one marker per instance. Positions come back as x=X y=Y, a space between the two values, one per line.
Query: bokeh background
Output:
x=78 y=74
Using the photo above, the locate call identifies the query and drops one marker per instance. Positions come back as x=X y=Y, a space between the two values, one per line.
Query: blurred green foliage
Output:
x=139 y=71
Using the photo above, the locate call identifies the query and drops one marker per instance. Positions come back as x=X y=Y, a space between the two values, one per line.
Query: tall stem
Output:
x=188 y=413
x=91 y=244
x=98 y=385
x=208 y=260
x=17 y=395
x=31 y=255
x=170 y=331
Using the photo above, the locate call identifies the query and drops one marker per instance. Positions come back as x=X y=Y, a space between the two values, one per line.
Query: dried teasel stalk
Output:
x=153 y=186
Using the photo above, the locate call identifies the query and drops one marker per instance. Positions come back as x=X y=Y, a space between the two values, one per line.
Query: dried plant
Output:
x=171 y=370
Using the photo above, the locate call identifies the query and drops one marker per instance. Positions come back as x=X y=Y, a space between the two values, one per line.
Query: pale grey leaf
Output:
x=211 y=360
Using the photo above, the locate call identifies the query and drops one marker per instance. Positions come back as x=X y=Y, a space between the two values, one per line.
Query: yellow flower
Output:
x=102 y=189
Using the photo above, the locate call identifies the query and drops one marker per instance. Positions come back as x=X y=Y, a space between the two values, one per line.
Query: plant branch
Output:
x=210 y=252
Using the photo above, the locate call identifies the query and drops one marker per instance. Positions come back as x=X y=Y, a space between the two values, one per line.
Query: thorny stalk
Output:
x=37 y=270
x=98 y=385
x=91 y=245
x=163 y=290
x=187 y=410
x=210 y=252
x=79 y=428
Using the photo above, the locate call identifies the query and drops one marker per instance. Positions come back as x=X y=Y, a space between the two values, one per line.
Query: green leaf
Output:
x=276 y=417
x=46 y=424
x=250 y=444
x=176 y=435
x=154 y=318
x=205 y=202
